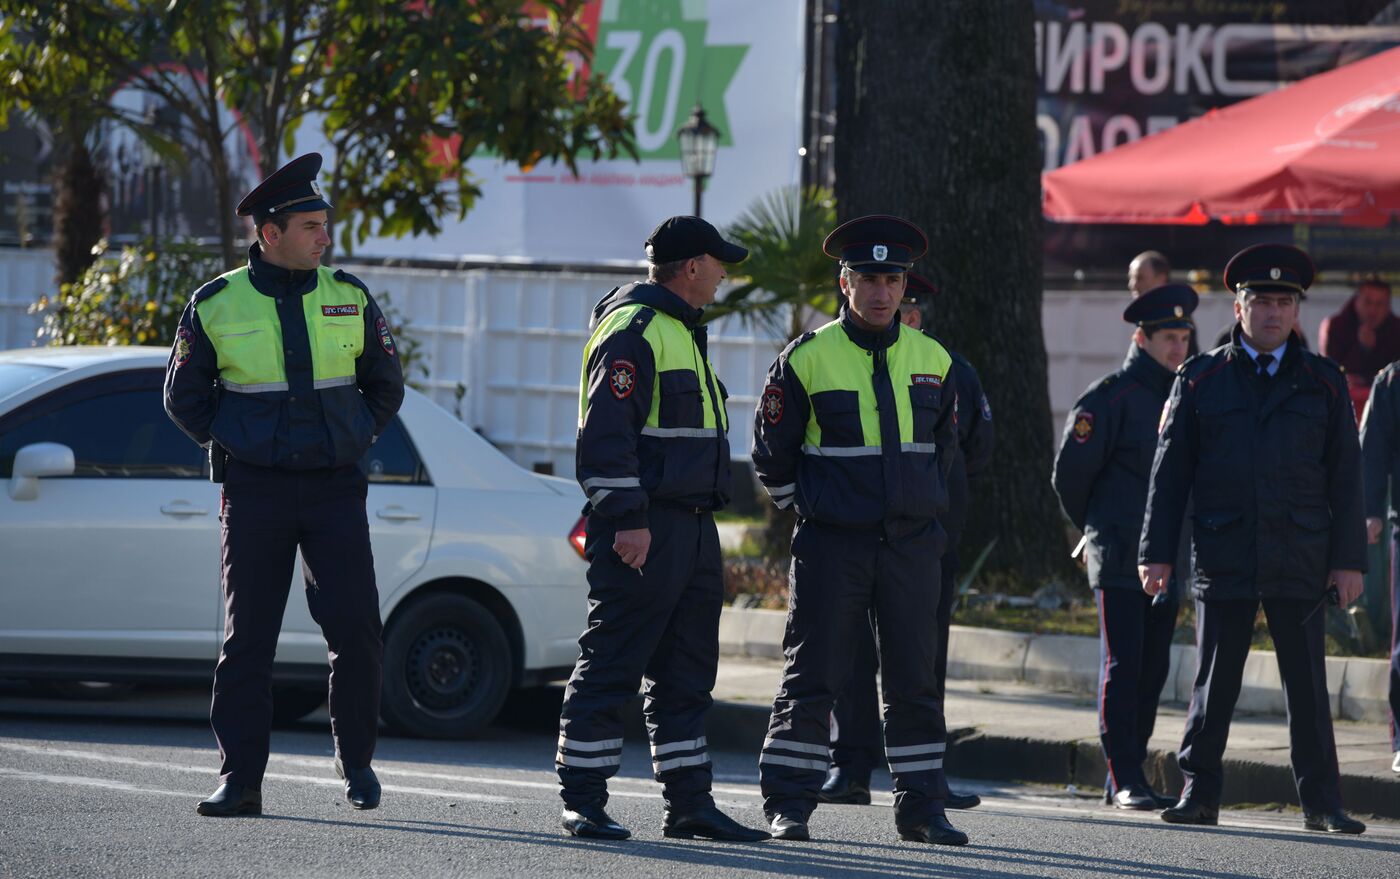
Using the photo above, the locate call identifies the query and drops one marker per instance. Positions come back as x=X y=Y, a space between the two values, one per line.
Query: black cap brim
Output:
x=728 y=252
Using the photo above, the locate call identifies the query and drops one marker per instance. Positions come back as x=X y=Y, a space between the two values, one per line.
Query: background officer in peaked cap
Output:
x=856 y=737
x=653 y=459
x=1101 y=474
x=1261 y=433
x=856 y=430
x=286 y=370
x=1380 y=454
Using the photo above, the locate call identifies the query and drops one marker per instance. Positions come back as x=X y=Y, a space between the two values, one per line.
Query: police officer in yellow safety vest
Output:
x=287 y=372
x=653 y=459
x=856 y=429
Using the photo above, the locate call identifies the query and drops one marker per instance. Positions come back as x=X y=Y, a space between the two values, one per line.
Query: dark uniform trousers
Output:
x=856 y=737
x=1135 y=656
x=661 y=625
x=1223 y=632
x=838 y=578
x=266 y=514
x=1395 y=640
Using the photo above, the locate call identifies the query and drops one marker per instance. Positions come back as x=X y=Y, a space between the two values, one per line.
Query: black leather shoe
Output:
x=592 y=822
x=935 y=831
x=1134 y=797
x=361 y=786
x=787 y=827
x=1335 y=821
x=1163 y=801
x=843 y=788
x=710 y=823
x=962 y=801
x=1191 y=812
x=230 y=800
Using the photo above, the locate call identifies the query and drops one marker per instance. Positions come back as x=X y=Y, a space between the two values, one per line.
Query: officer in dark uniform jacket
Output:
x=653 y=459
x=1261 y=432
x=1380 y=454
x=286 y=371
x=856 y=736
x=856 y=430
x=1100 y=475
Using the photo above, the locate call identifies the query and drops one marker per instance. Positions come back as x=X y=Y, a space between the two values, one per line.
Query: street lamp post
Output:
x=699 y=141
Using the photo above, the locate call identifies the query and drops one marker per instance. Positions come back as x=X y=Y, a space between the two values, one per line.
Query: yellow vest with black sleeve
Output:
x=683 y=449
x=259 y=420
x=852 y=472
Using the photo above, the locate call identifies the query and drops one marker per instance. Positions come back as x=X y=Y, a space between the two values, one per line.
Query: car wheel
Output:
x=447 y=668
x=290 y=704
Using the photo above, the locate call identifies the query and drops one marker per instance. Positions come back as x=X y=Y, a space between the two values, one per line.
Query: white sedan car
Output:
x=109 y=550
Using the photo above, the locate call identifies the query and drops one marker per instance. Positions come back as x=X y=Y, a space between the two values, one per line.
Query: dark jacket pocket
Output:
x=1219 y=543
x=681 y=403
x=838 y=418
x=927 y=404
x=1308 y=538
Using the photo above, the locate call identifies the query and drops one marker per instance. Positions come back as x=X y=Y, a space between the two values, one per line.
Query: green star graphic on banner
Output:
x=654 y=55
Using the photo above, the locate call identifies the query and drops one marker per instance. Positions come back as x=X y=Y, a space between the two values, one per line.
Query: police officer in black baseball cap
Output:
x=653 y=460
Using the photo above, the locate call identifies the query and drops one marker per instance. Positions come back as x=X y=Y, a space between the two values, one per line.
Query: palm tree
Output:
x=786 y=275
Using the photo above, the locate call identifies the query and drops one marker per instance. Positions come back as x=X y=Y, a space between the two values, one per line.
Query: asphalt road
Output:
x=108 y=789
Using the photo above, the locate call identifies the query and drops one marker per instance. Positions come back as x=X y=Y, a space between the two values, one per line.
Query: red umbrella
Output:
x=1324 y=149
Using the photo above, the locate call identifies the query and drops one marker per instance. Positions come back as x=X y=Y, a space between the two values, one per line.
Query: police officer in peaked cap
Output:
x=856 y=735
x=1260 y=432
x=287 y=372
x=1101 y=476
x=653 y=460
x=856 y=431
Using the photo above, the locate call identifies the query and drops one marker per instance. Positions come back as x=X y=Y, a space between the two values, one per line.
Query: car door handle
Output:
x=183 y=508
x=397 y=513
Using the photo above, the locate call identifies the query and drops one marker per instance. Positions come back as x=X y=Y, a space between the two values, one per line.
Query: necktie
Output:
x=1264 y=360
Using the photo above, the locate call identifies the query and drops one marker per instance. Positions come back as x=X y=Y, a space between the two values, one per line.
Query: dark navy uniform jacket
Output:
x=976 y=437
x=612 y=444
x=293 y=429
x=1104 y=462
x=1380 y=444
x=1275 y=467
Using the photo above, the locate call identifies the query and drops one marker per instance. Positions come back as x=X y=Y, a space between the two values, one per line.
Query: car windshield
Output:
x=15 y=377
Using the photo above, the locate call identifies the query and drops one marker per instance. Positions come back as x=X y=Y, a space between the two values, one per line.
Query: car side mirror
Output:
x=36 y=460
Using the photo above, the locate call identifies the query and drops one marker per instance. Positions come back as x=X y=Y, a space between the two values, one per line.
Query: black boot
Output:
x=1191 y=812
x=935 y=831
x=361 y=786
x=1335 y=821
x=788 y=827
x=230 y=800
x=591 y=821
x=962 y=801
x=710 y=823
x=844 y=787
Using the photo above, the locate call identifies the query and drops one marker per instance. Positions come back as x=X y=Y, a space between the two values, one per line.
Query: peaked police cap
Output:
x=1270 y=268
x=291 y=189
x=876 y=244
x=1166 y=307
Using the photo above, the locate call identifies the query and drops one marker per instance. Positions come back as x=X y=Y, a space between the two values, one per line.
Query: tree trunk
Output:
x=78 y=209
x=935 y=115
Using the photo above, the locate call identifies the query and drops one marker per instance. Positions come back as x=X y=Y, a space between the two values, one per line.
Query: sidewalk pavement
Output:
x=1015 y=731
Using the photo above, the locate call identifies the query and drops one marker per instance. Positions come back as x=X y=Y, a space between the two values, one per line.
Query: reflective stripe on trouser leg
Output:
x=681 y=673
x=906 y=616
x=828 y=600
x=630 y=616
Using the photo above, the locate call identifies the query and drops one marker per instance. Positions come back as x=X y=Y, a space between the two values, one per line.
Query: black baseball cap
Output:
x=688 y=237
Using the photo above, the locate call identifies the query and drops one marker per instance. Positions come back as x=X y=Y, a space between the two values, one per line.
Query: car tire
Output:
x=292 y=703
x=447 y=668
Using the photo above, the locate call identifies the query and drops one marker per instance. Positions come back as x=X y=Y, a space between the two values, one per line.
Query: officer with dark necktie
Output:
x=1261 y=433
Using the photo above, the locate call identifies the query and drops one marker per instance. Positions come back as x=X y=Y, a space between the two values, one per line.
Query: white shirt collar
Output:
x=1254 y=355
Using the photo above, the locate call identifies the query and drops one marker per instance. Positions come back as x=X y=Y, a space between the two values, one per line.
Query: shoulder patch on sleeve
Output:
x=209 y=289
x=1083 y=427
x=641 y=320
x=346 y=278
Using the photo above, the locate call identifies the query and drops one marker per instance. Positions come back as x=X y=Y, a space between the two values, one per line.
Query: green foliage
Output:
x=786 y=273
x=132 y=298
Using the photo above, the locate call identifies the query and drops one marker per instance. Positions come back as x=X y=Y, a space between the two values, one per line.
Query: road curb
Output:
x=1357 y=687
x=976 y=753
